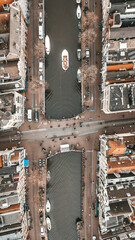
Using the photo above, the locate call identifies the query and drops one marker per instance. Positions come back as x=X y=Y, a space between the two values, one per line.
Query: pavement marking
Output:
x=35 y=130
x=85 y=123
x=82 y=134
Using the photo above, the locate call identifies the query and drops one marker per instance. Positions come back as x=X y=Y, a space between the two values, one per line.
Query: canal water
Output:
x=64 y=193
x=63 y=95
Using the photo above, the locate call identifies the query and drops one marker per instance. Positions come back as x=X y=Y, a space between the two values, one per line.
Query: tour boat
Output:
x=65 y=59
x=47 y=45
x=48 y=206
x=78 y=12
x=48 y=223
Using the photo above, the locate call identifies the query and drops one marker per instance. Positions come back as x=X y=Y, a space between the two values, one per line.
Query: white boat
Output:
x=47 y=45
x=78 y=12
x=65 y=59
x=78 y=1
x=48 y=206
x=48 y=176
x=48 y=223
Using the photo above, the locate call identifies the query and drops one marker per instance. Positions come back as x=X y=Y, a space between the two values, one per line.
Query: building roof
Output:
x=120 y=208
x=121 y=164
x=2 y=2
x=117 y=67
x=122 y=33
x=116 y=147
x=122 y=97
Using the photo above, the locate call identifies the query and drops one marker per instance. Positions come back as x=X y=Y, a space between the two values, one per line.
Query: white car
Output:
x=40 y=17
x=78 y=12
x=42 y=230
x=41 y=79
x=40 y=66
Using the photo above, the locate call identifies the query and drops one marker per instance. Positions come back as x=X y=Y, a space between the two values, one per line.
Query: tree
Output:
x=91 y=19
x=89 y=73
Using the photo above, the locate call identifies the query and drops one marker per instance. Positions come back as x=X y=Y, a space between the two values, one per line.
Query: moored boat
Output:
x=47 y=45
x=48 y=176
x=48 y=206
x=78 y=12
x=78 y=1
x=65 y=60
x=48 y=223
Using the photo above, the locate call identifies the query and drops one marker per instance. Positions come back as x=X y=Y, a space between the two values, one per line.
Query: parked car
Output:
x=78 y=12
x=42 y=230
x=40 y=65
x=79 y=54
x=40 y=32
x=41 y=216
x=36 y=116
x=41 y=78
x=87 y=52
x=40 y=17
x=86 y=9
x=29 y=115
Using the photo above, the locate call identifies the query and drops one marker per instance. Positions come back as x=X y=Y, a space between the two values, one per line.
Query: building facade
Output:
x=14 y=216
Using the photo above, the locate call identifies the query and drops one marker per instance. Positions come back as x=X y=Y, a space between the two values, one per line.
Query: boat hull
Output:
x=47 y=45
x=65 y=60
x=48 y=223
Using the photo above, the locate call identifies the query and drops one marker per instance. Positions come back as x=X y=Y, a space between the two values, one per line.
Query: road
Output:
x=86 y=128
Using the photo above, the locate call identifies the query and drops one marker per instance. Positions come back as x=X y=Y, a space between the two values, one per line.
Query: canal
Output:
x=63 y=93
x=64 y=193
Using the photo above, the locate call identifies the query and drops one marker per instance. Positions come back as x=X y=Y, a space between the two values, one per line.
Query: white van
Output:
x=29 y=115
x=40 y=65
x=40 y=31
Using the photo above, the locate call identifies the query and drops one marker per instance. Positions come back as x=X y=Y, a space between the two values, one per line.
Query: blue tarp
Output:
x=26 y=163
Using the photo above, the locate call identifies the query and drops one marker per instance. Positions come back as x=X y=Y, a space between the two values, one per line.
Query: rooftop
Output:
x=122 y=97
x=120 y=208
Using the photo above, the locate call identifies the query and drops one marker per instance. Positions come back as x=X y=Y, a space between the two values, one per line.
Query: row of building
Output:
x=117 y=187
x=118 y=56
x=14 y=214
x=13 y=62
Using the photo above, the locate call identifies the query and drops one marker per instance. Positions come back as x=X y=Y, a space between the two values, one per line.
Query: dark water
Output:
x=64 y=193
x=63 y=98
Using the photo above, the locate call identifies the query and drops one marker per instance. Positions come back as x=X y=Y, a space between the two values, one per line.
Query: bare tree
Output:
x=89 y=73
x=91 y=19
x=84 y=24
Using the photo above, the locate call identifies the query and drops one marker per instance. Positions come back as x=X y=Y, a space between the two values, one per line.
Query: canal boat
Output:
x=48 y=223
x=47 y=45
x=78 y=12
x=78 y=1
x=48 y=176
x=48 y=206
x=65 y=60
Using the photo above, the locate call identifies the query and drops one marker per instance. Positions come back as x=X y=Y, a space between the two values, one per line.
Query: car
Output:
x=86 y=9
x=87 y=91
x=78 y=12
x=42 y=230
x=36 y=116
x=41 y=78
x=87 y=52
x=40 y=65
x=29 y=115
x=41 y=216
x=40 y=32
x=40 y=17
x=93 y=206
x=79 y=54
x=79 y=24
x=79 y=75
